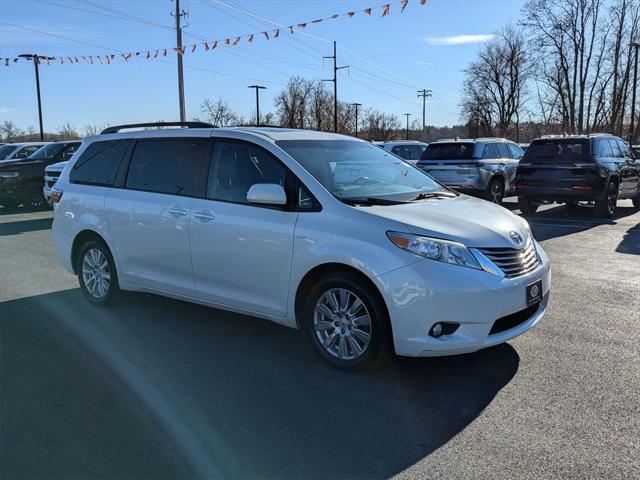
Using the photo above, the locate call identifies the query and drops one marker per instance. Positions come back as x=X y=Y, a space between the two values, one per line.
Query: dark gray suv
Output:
x=484 y=167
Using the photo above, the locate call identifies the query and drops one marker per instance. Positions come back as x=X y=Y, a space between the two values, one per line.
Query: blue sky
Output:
x=390 y=57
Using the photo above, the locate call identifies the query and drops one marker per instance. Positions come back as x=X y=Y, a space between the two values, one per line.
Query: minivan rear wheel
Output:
x=97 y=273
x=527 y=205
x=346 y=321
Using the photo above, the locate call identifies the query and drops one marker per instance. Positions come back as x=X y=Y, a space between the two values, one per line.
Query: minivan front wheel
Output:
x=97 y=273
x=346 y=321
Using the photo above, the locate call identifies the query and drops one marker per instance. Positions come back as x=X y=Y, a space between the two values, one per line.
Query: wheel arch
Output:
x=317 y=272
x=80 y=239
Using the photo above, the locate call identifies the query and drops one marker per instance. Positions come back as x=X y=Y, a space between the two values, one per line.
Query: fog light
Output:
x=436 y=330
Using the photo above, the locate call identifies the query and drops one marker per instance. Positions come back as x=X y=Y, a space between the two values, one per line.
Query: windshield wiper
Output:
x=425 y=196
x=371 y=201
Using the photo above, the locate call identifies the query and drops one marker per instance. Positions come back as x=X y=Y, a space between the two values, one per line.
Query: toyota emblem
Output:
x=516 y=238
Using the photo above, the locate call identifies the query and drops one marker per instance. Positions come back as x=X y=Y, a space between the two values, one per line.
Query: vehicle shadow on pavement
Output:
x=631 y=241
x=23 y=226
x=158 y=388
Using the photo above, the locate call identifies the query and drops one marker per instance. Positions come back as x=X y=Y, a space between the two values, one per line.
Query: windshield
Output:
x=47 y=152
x=358 y=170
x=6 y=150
x=557 y=151
x=448 y=151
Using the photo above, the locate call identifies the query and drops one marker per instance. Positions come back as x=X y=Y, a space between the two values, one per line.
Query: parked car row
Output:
x=577 y=170
x=23 y=179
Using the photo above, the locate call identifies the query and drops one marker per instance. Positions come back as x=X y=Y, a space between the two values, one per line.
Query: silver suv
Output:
x=484 y=167
x=409 y=150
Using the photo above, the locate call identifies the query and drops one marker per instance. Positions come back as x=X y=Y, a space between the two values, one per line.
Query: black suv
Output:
x=598 y=169
x=21 y=181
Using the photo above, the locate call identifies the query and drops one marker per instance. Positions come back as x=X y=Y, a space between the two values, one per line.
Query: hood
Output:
x=467 y=220
x=56 y=167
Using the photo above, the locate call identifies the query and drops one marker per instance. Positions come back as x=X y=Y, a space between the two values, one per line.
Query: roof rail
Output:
x=117 y=128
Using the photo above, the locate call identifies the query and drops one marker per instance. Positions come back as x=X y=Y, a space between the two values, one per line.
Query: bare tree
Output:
x=292 y=103
x=494 y=86
x=379 y=126
x=9 y=132
x=219 y=113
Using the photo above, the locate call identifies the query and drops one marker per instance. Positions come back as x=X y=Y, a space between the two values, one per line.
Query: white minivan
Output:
x=311 y=230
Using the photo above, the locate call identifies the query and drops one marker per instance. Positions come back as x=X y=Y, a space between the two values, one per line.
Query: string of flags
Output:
x=232 y=41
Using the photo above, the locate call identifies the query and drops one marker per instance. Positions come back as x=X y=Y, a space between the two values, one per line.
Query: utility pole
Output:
x=356 y=105
x=178 y=16
x=407 y=115
x=258 y=88
x=424 y=93
x=36 y=61
x=335 y=86
x=635 y=45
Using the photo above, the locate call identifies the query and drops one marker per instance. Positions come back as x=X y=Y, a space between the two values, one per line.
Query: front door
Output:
x=242 y=253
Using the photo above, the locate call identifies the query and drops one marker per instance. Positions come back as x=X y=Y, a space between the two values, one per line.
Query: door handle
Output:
x=204 y=216
x=177 y=212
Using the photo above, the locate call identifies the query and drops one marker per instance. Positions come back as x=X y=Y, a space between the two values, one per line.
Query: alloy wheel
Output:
x=342 y=324
x=496 y=192
x=612 y=199
x=96 y=273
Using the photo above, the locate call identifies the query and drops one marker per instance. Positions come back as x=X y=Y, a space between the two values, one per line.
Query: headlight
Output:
x=435 y=249
x=9 y=174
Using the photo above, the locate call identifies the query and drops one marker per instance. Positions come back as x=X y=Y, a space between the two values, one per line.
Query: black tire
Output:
x=636 y=203
x=606 y=207
x=495 y=191
x=378 y=330
x=527 y=205
x=111 y=291
x=573 y=209
x=34 y=198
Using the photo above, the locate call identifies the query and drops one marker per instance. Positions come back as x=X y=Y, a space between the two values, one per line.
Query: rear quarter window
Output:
x=99 y=163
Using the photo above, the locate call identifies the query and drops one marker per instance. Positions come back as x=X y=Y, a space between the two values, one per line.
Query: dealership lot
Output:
x=157 y=388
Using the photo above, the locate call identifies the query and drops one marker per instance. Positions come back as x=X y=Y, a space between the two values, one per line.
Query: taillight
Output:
x=56 y=196
x=582 y=187
x=522 y=185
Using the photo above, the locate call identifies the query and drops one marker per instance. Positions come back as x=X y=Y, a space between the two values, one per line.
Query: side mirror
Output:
x=267 y=194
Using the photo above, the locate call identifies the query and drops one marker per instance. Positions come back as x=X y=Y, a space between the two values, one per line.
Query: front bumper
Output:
x=426 y=292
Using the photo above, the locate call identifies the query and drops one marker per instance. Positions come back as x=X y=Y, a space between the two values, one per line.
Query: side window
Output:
x=68 y=152
x=27 y=151
x=503 y=150
x=617 y=153
x=305 y=201
x=516 y=151
x=490 y=151
x=603 y=150
x=236 y=166
x=626 y=151
x=171 y=166
x=398 y=151
x=99 y=163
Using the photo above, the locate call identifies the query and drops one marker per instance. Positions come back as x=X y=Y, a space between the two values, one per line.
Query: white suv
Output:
x=308 y=229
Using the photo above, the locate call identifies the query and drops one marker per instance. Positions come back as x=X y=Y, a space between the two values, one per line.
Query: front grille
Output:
x=50 y=179
x=513 y=320
x=513 y=262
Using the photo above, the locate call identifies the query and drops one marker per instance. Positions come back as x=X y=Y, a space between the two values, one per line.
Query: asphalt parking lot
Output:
x=156 y=388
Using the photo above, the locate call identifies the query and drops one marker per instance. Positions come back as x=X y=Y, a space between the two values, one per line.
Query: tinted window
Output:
x=448 y=151
x=603 y=149
x=626 y=151
x=99 y=163
x=236 y=166
x=615 y=147
x=68 y=151
x=167 y=166
x=516 y=151
x=490 y=150
x=48 y=151
x=503 y=150
x=6 y=150
x=558 y=151
x=408 y=152
x=27 y=151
